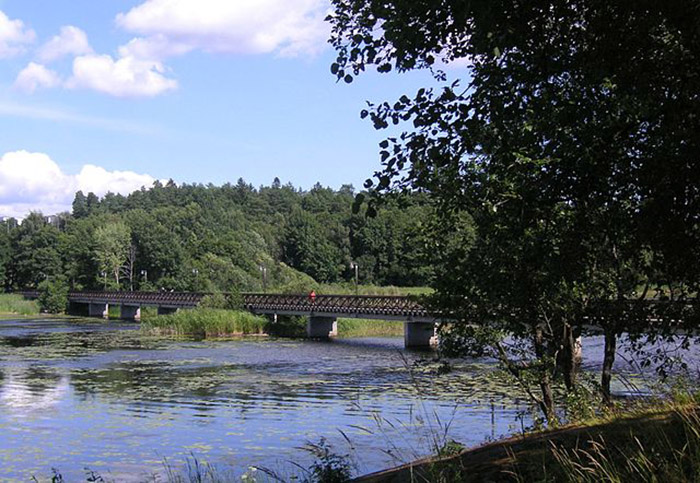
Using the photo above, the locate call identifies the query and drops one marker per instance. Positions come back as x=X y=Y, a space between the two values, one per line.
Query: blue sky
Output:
x=111 y=94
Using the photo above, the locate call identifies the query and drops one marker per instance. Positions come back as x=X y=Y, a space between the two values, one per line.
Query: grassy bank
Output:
x=654 y=442
x=202 y=322
x=17 y=305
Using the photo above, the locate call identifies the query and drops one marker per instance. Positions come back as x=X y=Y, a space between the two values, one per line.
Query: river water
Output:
x=78 y=394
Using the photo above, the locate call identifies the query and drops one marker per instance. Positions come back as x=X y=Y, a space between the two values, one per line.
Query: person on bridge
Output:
x=312 y=296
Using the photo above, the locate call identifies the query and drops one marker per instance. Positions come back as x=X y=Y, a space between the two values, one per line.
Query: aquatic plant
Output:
x=203 y=322
x=17 y=304
x=369 y=328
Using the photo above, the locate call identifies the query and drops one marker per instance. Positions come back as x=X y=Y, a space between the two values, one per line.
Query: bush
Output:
x=53 y=296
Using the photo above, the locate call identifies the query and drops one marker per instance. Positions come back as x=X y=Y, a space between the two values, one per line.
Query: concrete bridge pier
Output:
x=166 y=310
x=322 y=327
x=131 y=312
x=98 y=310
x=419 y=335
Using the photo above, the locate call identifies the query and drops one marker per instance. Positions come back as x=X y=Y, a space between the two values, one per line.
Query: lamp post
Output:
x=195 y=273
x=356 y=267
x=104 y=275
x=263 y=273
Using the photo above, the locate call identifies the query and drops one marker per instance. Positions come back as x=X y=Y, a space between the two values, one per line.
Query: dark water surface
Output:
x=78 y=393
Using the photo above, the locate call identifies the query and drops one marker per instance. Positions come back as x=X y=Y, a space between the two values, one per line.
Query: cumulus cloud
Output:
x=70 y=41
x=35 y=182
x=14 y=36
x=123 y=77
x=287 y=27
x=35 y=76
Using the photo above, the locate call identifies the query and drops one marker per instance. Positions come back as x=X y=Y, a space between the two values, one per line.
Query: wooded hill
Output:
x=209 y=238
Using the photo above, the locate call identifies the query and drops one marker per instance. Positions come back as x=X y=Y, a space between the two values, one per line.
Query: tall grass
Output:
x=369 y=328
x=17 y=304
x=201 y=322
x=661 y=448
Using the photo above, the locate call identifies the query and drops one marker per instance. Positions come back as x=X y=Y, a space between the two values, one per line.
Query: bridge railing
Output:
x=176 y=299
x=394 y=305
x=387 y=305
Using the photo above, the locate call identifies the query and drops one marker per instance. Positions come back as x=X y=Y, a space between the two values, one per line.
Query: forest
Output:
x=210 y=238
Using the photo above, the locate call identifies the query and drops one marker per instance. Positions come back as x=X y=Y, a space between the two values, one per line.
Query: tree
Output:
x=80 y=207
x=35 y=252
x=111 y=248
x=5 y=252
x=573 y=148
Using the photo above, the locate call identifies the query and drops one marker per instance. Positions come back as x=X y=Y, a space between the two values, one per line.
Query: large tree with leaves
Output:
x=573 y=145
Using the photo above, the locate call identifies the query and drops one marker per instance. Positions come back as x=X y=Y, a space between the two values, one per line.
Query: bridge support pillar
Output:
x=98 y=310
x=322 y=327
x=166 y=310
x=131 y=312
x=419 y=335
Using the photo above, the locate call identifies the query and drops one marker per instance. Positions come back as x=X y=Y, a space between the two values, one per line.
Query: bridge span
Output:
x=322 y=310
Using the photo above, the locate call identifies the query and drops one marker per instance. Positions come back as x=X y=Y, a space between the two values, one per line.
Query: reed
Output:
x=17 y=305
x=201 y=322
x=369 y=328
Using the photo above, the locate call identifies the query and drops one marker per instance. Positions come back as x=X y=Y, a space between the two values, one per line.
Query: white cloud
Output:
x=35 y=76
x=70 y=41
x=35 y=182
x=100 y=181
x=287 y=27
x=124 y=77
x=13 y=36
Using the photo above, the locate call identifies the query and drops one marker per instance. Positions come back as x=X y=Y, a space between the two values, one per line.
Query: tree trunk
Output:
x=567 y=360
x=547 y=403
x=608 y=360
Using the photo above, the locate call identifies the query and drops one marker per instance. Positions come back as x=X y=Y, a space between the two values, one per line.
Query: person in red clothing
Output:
x=312 y=296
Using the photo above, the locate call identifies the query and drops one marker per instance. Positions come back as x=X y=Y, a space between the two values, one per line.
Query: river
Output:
x=77 y=393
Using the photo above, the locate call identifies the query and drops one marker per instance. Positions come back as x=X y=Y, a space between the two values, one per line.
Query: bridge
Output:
x=322 y=310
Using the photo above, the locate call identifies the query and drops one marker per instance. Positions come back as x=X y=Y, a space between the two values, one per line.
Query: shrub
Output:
x=53 y=296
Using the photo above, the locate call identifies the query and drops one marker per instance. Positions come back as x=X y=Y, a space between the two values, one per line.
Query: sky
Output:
x=111 y=95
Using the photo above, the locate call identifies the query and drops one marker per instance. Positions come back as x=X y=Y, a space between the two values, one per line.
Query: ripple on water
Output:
x=83 y=393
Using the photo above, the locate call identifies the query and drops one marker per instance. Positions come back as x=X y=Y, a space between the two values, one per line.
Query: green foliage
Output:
x=204 y=322
x=35 y=252
x=227 y=301
x=53 y=295
x=16 y=304
x=562 y=152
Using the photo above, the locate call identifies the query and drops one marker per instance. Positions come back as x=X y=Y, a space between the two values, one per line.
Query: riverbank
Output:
x=658 y=442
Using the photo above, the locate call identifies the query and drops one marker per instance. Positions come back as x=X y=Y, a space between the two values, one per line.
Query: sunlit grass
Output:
x=17 y=304
x=204 y=323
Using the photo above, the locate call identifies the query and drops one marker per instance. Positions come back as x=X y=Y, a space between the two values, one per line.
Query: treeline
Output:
x=209 y=238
